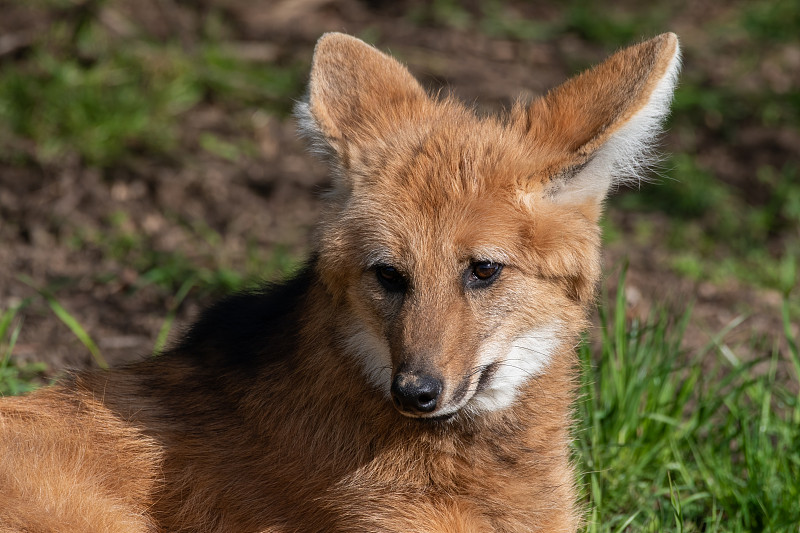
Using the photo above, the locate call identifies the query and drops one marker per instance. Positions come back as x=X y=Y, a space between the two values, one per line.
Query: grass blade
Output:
x=70 y=321
x=166 y=327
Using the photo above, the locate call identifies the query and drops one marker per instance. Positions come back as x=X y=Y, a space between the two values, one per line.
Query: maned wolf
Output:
x=415 y=376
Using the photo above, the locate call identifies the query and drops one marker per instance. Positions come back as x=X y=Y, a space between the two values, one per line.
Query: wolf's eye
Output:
x=391 y=279
x=482 y=273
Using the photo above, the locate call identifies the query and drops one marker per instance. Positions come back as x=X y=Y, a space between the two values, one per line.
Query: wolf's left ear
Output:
x=356 y=96
x=597 y=128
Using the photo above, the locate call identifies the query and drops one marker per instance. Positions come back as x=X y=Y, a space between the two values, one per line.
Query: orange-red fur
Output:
x=265 y=420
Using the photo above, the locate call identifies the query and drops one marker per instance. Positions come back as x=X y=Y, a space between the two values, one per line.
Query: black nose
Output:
x=415 y=393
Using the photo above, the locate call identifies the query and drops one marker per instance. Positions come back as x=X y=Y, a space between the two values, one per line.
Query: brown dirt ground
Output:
x=272 y=196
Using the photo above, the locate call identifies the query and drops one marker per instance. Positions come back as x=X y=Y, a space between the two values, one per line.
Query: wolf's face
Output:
x=462 y=285
x=465 y=249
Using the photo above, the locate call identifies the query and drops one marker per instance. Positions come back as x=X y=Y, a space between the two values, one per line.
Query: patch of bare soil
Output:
x=271 y=196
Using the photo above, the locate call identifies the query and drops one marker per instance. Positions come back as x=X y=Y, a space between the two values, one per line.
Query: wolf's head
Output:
x=462 y=250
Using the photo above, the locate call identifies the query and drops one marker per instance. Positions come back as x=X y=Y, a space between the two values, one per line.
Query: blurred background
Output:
x=149 y=164
x=147 y=150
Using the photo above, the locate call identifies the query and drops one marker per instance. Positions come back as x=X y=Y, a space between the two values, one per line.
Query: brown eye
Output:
x=482 y=273
x=391 y=279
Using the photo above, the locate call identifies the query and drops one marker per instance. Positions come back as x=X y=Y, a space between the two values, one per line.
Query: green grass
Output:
x=99 y=111
x=68 y=320
x=105 y=99
x=208 y=270
x=601 y=24
x=777 y=20
x=15 y=377
x=717 y=232
x=672 y=441
x=588 y=20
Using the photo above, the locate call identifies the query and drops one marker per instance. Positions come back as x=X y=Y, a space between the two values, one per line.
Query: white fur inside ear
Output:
x=527 y=357
x=308 y=128
x=628 y=153
x=372 y=355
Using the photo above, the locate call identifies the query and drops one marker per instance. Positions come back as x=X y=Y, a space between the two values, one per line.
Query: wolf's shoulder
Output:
x=248 y=329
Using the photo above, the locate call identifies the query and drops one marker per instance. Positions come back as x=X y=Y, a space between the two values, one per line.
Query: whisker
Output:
x=533 y=350
x=528 y=372
x=478 y=370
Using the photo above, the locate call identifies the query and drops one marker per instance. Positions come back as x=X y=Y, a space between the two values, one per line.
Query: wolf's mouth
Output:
x=463 y=394
x=440 y=418
x=486 y=377
x=486 y=373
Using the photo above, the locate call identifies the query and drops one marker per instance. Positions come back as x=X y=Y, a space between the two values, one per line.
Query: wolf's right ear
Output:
x=356 y=95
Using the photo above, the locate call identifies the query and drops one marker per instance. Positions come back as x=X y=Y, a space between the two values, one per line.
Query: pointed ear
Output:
x=598 y=127
x=356 y=95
